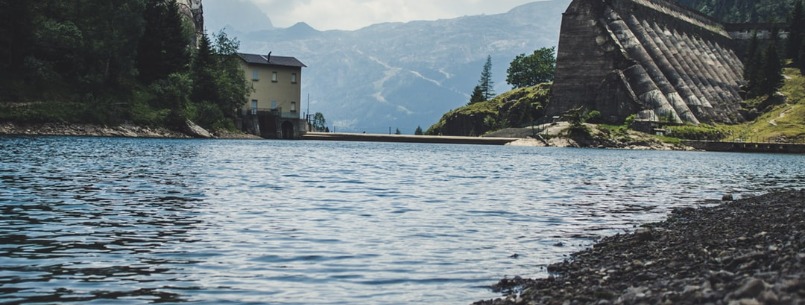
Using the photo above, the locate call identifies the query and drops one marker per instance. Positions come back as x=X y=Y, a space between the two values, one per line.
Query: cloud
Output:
x=355 y=14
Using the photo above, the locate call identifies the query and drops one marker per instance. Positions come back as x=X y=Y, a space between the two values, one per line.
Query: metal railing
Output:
x=274 y=111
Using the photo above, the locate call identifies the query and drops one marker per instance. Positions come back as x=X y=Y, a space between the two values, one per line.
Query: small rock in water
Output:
x=514 y=255
x=727 y=197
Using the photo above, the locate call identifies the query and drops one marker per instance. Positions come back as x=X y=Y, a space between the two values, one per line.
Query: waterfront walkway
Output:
x=362 y=137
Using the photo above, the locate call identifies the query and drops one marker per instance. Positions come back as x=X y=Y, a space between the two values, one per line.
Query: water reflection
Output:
x=154 y=221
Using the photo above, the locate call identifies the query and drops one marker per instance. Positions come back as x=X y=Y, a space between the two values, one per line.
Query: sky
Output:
x=355 y=14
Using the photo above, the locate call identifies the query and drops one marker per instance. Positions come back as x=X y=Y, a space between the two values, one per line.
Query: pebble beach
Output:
x=748 y=251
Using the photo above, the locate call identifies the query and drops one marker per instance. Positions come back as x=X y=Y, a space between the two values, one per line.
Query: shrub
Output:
x=701 y=132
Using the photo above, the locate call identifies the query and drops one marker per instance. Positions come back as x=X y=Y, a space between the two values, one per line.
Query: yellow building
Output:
x=272 y=110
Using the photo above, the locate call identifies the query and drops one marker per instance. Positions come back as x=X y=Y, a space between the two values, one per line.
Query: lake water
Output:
x=137 y=221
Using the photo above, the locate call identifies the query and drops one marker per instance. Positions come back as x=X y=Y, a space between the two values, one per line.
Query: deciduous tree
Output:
x=231 y=80
x=319 y=123
x=530 y=70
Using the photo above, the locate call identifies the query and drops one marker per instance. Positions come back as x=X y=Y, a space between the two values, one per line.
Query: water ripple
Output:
x=139 y=221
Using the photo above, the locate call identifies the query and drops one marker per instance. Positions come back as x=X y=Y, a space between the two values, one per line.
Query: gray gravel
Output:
x=750 y=251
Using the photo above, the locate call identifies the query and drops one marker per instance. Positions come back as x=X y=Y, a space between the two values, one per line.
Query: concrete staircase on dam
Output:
x=646 y=57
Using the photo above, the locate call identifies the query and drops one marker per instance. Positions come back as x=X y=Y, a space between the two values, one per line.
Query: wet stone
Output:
x=725 y=254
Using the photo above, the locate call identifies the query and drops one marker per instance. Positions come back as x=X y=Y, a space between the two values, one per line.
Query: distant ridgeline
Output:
x=651 y=58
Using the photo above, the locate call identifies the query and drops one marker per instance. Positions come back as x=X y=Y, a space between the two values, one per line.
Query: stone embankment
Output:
x=750 y=251
x=560 y=135
x=124 y=130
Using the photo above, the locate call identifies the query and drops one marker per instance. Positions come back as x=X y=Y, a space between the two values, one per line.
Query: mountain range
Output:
x=393 y=75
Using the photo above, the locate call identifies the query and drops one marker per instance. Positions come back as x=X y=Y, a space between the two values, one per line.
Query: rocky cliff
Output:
x=193 y=11
x=646 y=57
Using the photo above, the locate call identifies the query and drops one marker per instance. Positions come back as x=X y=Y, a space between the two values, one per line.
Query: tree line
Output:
x=763 y=67
x=524 y=71
x=742 y=11
x=98 y=61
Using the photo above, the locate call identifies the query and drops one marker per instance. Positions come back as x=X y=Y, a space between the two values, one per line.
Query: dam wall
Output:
x=651 y=58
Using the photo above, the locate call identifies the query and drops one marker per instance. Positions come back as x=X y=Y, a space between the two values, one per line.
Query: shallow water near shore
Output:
x=138 y=221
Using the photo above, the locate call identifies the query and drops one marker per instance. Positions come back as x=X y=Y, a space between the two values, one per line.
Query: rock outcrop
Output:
x=193 y=12
x=646 y=57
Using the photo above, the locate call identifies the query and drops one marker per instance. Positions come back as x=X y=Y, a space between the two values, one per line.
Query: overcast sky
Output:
x=355 y=14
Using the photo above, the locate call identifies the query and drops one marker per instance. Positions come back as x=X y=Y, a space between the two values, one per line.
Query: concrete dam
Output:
x=651 y=58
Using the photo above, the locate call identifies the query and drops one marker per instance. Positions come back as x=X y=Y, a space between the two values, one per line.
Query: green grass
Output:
x=514 y=108
x=669 y=140
x=784 y=122
x=697 y=132
x=42 y=112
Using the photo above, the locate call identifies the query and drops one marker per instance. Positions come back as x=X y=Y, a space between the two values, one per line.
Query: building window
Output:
x=254 y=107
x=273 y=105
x=293 y=78
x=255 y=75
x=293 y=106
x=274 y=76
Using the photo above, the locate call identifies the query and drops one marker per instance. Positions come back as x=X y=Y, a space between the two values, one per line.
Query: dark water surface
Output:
x=137 y=221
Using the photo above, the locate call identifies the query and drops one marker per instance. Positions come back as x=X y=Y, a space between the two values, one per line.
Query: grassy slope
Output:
x=511 y=109
x=784 y=122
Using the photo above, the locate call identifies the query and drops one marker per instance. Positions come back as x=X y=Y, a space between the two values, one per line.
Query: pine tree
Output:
x=203 y=72
x=752 y=60
x=801 y=63
x=163 y=48
x=418 y=131
x=110 y=31
x=772 y=71
x=486 y=84
x=16 y=36
x=477 y=95
x=795 y=34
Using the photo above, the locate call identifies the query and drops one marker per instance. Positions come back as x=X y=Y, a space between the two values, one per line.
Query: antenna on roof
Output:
x=269 y=56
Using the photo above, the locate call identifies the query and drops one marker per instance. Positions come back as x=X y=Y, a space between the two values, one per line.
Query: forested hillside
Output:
x=107 y=62
x=741 y=11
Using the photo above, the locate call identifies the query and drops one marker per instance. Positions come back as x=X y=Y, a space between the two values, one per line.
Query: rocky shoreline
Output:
x=560 y=135
x=749 y=251
x=123 y=130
